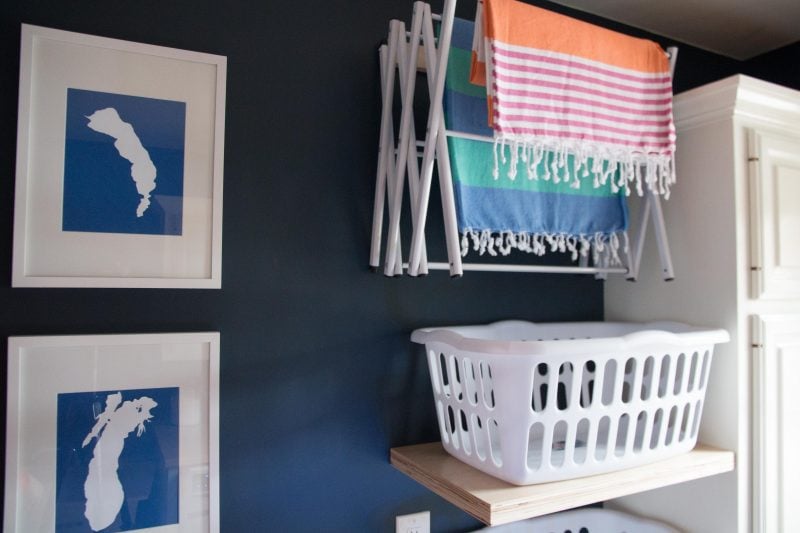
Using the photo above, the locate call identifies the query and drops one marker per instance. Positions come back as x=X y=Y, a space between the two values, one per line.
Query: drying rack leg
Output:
x=433 y=130
x=393 y=253
x=407 y=62
x=651 y=210
x=387 y=54
x=660 y=228
x=443 y=161
x=635 y=257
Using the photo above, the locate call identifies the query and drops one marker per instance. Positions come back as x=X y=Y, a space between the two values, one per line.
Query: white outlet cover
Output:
x=413 y=523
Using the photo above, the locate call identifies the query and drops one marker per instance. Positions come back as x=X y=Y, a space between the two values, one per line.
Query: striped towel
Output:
x=496 y=216
x=559 y=84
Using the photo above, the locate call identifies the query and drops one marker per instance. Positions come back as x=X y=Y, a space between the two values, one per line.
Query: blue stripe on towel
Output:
x=471 y=115
x=463 y=31
x=510 y=210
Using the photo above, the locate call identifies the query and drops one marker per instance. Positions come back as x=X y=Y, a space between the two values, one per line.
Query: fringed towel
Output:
x=547 y=214
x=555 y=83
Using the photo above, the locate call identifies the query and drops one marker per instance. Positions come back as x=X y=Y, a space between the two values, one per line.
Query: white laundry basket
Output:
x=583 y=521
x=533 y=403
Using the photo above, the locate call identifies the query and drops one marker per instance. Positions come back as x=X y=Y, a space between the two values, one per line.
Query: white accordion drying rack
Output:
x=398 y=159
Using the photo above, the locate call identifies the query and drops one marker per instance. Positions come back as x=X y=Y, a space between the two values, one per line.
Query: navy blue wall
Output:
x=318 y=377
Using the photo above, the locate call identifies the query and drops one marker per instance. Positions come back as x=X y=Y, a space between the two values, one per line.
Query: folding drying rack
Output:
x=404 y=55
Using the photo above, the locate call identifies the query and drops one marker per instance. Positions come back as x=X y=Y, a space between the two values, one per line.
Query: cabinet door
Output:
x=775 y=215
x=776 y=423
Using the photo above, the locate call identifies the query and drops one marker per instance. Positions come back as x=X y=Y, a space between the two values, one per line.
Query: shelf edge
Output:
x=495 y=502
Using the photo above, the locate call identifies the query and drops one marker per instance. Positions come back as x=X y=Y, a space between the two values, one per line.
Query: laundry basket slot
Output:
x=581 y=399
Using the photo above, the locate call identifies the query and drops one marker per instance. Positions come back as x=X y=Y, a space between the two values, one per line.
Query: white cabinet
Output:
x=775 y=220
x=776 y=421
x=734 y=228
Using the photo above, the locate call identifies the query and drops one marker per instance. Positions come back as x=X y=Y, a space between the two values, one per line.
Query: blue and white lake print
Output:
x=123 y=164
x=117 y=460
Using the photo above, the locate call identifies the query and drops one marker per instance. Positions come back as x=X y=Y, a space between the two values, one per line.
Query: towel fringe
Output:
x=604 y=248
x=656 y=171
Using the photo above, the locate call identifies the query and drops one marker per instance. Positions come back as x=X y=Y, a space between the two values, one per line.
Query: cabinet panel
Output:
x=775 y=215
x=776 y=462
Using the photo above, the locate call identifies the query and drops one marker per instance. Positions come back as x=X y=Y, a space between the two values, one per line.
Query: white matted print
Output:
x=119 y=164
x=113 y=433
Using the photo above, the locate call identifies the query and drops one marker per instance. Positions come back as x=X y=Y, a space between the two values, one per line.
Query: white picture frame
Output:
x=155 y=397
x=74 y=223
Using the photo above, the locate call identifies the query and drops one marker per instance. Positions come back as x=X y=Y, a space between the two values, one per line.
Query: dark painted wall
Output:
x=318 y=377
x=781 y=66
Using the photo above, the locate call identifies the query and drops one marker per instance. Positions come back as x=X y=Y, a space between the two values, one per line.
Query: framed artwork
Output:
x=113 y=433
x=119 y=164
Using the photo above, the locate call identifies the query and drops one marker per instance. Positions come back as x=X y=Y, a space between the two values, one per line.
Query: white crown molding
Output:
x=740 y=96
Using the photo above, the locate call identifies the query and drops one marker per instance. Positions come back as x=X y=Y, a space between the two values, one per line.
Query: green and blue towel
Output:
x=535 y=213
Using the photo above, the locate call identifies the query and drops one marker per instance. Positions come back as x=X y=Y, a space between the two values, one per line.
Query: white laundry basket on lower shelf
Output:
x=532 y=403
x=583 y=521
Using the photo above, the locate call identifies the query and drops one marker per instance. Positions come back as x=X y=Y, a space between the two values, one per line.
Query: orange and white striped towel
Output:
x=559 y=86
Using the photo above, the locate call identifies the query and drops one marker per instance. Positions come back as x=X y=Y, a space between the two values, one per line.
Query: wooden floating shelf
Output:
x=493 y=501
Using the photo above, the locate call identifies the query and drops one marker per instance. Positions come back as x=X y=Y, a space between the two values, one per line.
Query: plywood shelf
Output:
x=493 y=501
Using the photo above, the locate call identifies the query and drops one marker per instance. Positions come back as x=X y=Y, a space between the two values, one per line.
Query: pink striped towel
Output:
x=558 y=86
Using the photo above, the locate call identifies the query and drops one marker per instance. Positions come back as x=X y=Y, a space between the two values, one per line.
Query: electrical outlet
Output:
x=413 y=523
